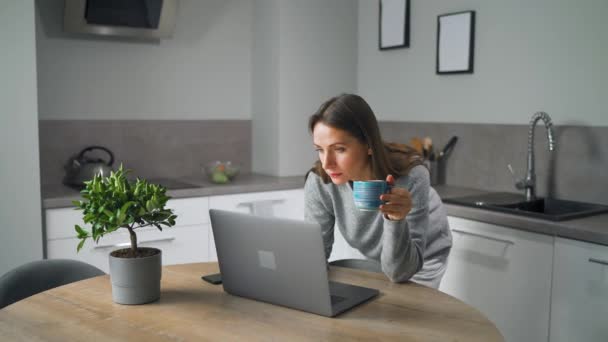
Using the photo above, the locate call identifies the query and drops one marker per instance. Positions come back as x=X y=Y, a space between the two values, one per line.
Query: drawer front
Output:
x=178 y=244
x=190 y=211
x=60 y=223
x=283 y=203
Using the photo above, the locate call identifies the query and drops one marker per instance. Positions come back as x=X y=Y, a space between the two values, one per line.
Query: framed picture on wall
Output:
x=394 y=24
x=455 y=42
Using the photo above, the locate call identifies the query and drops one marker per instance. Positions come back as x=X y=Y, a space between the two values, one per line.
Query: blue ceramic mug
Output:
x=367 y=194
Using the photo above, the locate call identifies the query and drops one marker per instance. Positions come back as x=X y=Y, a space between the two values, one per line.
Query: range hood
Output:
x=139 y=19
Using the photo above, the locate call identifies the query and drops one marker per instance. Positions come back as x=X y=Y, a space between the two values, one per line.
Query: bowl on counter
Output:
x=221 y=172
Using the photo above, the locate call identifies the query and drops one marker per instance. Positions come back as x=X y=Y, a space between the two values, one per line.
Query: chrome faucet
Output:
x=529 y=182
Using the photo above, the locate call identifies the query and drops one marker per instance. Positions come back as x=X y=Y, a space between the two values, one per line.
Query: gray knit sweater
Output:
x=401 y=247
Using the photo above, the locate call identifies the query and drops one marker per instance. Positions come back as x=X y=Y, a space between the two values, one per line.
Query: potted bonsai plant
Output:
x=114 y=202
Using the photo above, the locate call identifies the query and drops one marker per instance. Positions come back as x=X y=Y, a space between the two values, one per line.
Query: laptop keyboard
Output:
x=336 y=299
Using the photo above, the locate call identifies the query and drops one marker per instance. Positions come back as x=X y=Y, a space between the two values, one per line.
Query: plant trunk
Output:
x=133 y=241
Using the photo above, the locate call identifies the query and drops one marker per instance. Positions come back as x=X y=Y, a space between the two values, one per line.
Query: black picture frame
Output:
x=455 y=43
x=393 y=24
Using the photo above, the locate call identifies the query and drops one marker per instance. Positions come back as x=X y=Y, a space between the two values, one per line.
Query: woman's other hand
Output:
x=398 y=202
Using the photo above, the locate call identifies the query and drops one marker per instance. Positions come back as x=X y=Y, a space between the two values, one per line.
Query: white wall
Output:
x=318 y=60
x=529 y=55
x=286 y=56
x=306 y=52
x=202 y=72
x=265 y=87
x=20 y=208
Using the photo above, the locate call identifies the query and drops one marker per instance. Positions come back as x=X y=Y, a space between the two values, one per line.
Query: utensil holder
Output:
x=437 y=169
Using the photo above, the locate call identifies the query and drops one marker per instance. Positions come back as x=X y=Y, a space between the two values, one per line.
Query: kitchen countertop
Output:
x=61 y=196
x=592 y=229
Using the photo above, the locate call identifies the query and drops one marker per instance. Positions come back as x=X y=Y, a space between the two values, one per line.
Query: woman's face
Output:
x=343 y=157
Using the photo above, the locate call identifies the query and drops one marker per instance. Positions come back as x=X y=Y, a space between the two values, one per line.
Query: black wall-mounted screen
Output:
x=131 y=13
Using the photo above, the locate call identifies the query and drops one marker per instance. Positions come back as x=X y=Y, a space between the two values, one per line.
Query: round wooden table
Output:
x=193 y=310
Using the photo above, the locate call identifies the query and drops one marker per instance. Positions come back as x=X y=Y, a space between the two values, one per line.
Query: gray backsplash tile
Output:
x=152 y=148
x=575 y=171
x=177 y=148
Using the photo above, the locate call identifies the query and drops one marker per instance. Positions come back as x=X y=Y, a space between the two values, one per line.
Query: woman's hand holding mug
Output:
x=397 y=202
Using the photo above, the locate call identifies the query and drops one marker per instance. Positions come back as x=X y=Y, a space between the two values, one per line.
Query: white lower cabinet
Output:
x=191 y=240
x=282 y=203
x=178 y=244
x=505 y=273
x=342 y=250
x=184 y=243
x=579 y=305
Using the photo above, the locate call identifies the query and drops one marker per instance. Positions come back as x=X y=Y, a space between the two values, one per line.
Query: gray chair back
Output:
x=368 y=265
x=37 y=276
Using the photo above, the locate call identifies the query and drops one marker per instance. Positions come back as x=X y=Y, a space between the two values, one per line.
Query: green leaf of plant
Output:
x=88 y=217
x=108 y=213
x=81 y=232
x=120 y=217
x=113 y=229
x=80 y=244
x=126 y=206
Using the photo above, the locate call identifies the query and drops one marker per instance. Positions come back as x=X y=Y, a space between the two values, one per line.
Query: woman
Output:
x=409 y=234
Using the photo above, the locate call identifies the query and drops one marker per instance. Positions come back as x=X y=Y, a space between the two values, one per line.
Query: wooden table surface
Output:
x=193 y=310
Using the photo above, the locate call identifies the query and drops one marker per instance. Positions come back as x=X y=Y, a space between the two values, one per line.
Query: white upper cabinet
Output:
x=579 y=306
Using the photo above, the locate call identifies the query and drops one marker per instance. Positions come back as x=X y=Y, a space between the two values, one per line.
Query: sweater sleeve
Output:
x=403 y=241
x=318 y=209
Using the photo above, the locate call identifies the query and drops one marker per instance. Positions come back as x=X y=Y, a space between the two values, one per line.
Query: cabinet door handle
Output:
x=508 y=242
x=598 y=261
x=261 y=207
x=260 y=202
x=127 y=244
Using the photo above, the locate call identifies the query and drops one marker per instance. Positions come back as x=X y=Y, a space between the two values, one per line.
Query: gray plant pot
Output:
x=136 y=280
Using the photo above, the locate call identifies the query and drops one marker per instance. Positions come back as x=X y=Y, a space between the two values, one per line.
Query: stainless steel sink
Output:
x=543 y=208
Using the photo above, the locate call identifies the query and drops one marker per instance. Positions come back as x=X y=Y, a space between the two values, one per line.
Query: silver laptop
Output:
x=279 y=261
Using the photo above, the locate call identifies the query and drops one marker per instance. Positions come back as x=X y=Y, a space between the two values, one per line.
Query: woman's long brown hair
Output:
x=350 y=113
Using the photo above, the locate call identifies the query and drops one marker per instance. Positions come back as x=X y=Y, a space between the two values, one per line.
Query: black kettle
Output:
x=82 y=168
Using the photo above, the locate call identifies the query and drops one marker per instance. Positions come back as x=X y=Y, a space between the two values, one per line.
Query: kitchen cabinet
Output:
x=342 y=250
x=178 y=244
x=505 y=273
x=283 y=203
x=191 y=240
x=579 y=304
x=286 y=204
x=184 y=243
